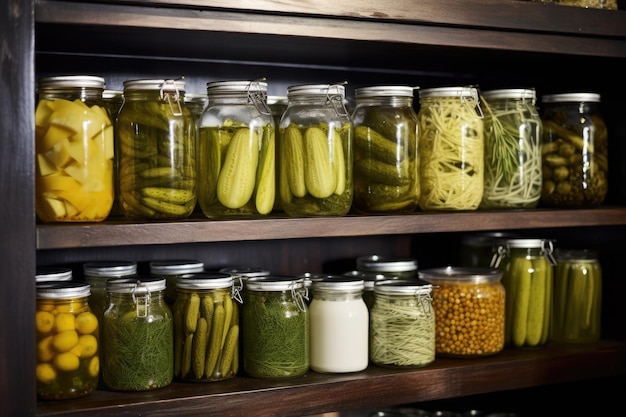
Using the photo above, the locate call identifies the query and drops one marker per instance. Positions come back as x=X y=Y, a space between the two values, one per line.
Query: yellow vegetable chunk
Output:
x=59 y=154
x=52 y=136
x=45 y=167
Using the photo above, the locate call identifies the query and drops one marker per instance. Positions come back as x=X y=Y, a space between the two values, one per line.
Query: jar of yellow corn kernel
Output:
x=68 y=364
x=469 y=310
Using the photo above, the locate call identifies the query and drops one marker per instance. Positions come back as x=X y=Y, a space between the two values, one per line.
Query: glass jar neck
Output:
x=337 y=295
x=82 y=93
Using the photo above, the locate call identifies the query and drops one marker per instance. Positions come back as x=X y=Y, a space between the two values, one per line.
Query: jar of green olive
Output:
x=315 y=152
x=469 y=310
x=575 y=151
x=156 y=152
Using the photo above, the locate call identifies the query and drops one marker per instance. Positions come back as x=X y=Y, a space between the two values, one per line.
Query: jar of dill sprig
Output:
x=276 y=327
x=138 y=335
x=513 y=135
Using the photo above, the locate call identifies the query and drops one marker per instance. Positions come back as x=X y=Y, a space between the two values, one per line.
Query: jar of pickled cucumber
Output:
x=575 y=151
x=171 y=270
x=53 y=273
x=577 y=297
x=156 y=163
x=451 y=148
x=236 y=157
x=386 y=162
x=513 y=135
x=315 y=152
x=206 y=328
x=68 y=364
x=469 y=304
x=74 y=149
x=137 y=335
x=402 y=324
x=527 y=267
x=275 y=327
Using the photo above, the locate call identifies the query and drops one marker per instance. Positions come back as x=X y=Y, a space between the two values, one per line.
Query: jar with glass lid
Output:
x=138 y=335
x=575 y=151
x=275 y=327
x=513 y=135
x=156 y=152
x=451 y=148
x=171 y=270
x=206 y=327
x=386 y=163
x=68 y=362
x=236 y=157
x=315 y=152
x=74 y=149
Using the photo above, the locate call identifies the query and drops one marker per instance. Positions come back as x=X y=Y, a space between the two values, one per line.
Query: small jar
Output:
x=275 y=328
x=68 y=364
x=528 y=277
x=315 y=152
x=74 y=150
x=575 y=151
x=387 y=267
x=236 y=157
x=171 y=270
x=513 y=135
x=53 y=273
x=469 y=305
x=402 y=324
x=206 y=328
x=339 y=326
x=386 y=162
x=138 y=335
x=451 y=147
x=156 y=150
x=576 y=313
x=97 y=273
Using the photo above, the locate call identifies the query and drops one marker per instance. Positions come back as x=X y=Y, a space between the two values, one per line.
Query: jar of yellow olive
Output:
x=575 y=151
x=68 y=362
x=469 y=310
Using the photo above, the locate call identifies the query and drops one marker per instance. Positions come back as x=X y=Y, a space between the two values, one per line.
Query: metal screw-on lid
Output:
x=158 y=84
x=376 y=263
x=384 y=91
x=205 y=281
x=84 y=81
x=571 y=97
x=129 y=285
x=63 y=290
x=245 y=271
x=53 y=273
x=176 y=267
x=316 y=89
x=339 y=283
x=402 y=287
x=274 y=283
x=110 y=269
x=525 y=243
x=518 y=93
x=470 y=92
x=470 y=275
x=238 y=87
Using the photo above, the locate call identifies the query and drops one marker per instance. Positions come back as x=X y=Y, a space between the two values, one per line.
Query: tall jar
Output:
x=575 y=151
x=527 y=266
x=138 y=335
x=206 y=328
x=236 y=157
x=171 y=270
x=339 y=326
x=156 y=151
x=386 y=162
x=315 y=152
x=68 y=362
x=451 y=149
x=576 y=314
x=74 y=150
x=275 y=327
x=513 y=135
x=469 y=304
x=402 y=324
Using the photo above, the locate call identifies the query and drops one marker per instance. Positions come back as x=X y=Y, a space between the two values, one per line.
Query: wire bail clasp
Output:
x=141 y=298
x=335 y=98
x=173 y=99
x=258 y=97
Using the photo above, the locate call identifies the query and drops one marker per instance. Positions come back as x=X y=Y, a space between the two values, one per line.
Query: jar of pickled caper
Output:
x=575 y=151
x=315 y=152
x=156 y=151
x=386 y=163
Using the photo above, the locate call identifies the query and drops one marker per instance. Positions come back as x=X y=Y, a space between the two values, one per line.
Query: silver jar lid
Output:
x=245 y=271
x=514 y=93
x=53 y=273
x=176 y=267
x=384 y=91
x=339 y=283
x=63 y=290
x=205 y=281
x=109 y=269
x=462 y=92
x=571 y=98
x=130 y=285
x=235 y=87
x=402 y=287
x=274 y=283
x=81 y=81
x=155 y=84
x=316 y=90
x=376 y=263
x=469 y=275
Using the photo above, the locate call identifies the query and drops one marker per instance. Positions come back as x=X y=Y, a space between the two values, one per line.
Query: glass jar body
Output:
x=74 y=151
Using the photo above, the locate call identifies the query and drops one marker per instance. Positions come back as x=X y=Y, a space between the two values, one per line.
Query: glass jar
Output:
x=451 y=149
x=339 y=326
x=389 y=268
x=576 y=313
x=138 y=335
x=196 y=103
x=575 y=151
x=276 y=327
x=156 y=150
x=469 y=304
x=386 y=162
x=74 y=150
x=369 y=280
x=53 y=273
x=68 y=364
x=171 y=270
x=315 y=152
x=481 y=249
x=527 y=266
x=402 y=324
x=513 y=135
x=236 y=158
x=206 y=328
x=590 y=4
x=97 y=273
